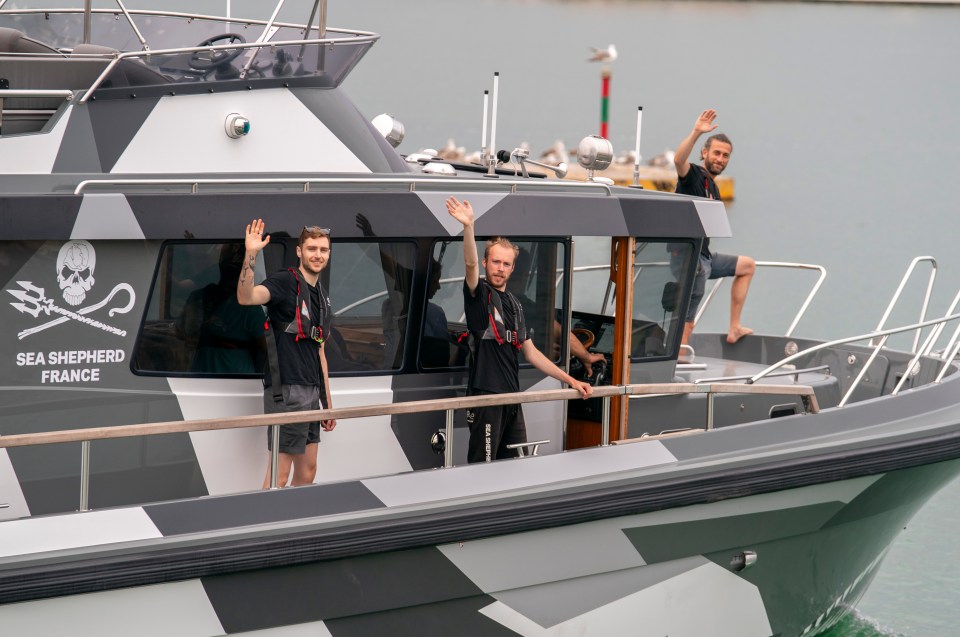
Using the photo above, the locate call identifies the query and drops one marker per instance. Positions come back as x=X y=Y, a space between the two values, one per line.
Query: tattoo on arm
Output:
x=251 y=263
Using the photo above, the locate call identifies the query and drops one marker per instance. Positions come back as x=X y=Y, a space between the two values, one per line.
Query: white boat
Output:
x=754 y=491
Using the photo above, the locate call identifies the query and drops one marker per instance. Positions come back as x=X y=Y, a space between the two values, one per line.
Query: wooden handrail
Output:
x=416 y=406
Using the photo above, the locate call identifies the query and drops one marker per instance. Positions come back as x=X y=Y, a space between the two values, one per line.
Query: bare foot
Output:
x=738 y=332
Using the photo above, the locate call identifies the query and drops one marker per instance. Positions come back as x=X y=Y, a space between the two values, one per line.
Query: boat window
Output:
x=370 y=285
x=660 y=270
x=534 y=282
x=193 y=324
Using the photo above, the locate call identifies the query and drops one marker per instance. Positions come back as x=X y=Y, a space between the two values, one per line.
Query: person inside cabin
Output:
x=699 y=181
x=399 y=285
x=299 y=319
x=538 y=315
x=224 y=336
x=497 y=330
x=438 y=348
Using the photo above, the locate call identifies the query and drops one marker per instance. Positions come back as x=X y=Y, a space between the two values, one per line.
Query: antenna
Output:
x=492 y=166
x=636 y=161
x=483 y=134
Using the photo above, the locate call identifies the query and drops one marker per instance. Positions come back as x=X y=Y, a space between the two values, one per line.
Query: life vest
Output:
x=496 y=330
x=302 y=326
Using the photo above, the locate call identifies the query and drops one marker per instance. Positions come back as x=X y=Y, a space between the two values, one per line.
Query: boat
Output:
x=752 y=491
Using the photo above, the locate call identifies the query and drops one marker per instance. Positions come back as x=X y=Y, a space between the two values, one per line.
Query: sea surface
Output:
x=845 y=120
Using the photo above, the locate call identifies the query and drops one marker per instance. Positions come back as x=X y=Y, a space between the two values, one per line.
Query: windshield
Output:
x=141 y=30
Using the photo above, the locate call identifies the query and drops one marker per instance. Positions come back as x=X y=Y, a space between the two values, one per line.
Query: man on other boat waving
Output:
x=498 y=331
x=299 y=317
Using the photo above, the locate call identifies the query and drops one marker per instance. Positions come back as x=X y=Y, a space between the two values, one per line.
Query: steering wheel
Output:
x=206 y=60
x=584 y=335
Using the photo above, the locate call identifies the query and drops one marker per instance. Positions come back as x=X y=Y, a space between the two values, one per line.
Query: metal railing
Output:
x=448 y=405
x=774 y=264
x=409 y=181
x=787 y=372
x=899 y=292
x=344 y=37
x=65 y=94
x=883 y=335
x=184 y=15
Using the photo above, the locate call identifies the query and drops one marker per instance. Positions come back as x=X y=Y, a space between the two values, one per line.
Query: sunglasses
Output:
x=324 y=231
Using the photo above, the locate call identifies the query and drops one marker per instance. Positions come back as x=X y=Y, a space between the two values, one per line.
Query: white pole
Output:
x=636 y=164
x=483 y=133
x=493 y=125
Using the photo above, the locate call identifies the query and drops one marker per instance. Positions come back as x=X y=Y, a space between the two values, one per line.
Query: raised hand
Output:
x=705 y=121
x=364 y=225
x=255 y=240
x=461 y=211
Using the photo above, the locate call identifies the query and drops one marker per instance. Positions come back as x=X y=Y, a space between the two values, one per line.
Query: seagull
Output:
x=556 y=153
x=608 y=54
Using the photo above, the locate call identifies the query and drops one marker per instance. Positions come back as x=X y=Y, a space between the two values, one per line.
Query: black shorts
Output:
x=294 y=438
x=492 y=429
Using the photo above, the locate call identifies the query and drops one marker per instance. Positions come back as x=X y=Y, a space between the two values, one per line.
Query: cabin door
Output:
x=600 y=319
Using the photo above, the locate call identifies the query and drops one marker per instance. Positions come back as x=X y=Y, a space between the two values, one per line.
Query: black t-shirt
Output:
x=699 y=183
x=299 y=360
x=496 y=367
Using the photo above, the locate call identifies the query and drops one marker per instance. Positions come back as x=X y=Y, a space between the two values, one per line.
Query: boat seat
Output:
x=94 y=49
x=29 y=68
x=127 y=73
x=14 y=41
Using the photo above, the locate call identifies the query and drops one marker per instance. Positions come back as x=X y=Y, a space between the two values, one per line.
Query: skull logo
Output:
x=75 y=265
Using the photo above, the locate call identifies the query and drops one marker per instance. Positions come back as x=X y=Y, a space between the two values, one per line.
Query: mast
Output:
x=87 y=11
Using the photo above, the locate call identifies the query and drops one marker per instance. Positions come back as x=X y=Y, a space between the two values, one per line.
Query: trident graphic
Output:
x=34 y=302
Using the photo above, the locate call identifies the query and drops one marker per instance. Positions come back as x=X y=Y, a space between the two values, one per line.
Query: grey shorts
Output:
x=294 y=438
x=716 y=267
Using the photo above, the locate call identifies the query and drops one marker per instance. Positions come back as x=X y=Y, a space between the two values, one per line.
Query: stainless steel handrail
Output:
x=899 y=291
x=66 y=94
x=448 y=405
x=187 y=16
x=133 y=25
x=786 y=372
x=853 y=339
x=774 y=264
x=262 y=37
x=410 y=181
x=928 y=344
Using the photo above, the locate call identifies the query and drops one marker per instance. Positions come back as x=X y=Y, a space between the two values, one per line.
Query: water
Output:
x=844 y=127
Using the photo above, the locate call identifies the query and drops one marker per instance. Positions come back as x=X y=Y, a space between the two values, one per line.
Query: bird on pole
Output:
x=606 y=55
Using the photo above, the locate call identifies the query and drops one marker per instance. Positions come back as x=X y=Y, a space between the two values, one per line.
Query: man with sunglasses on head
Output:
x=699 y=181
x=498 y=334
x=298 y=318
